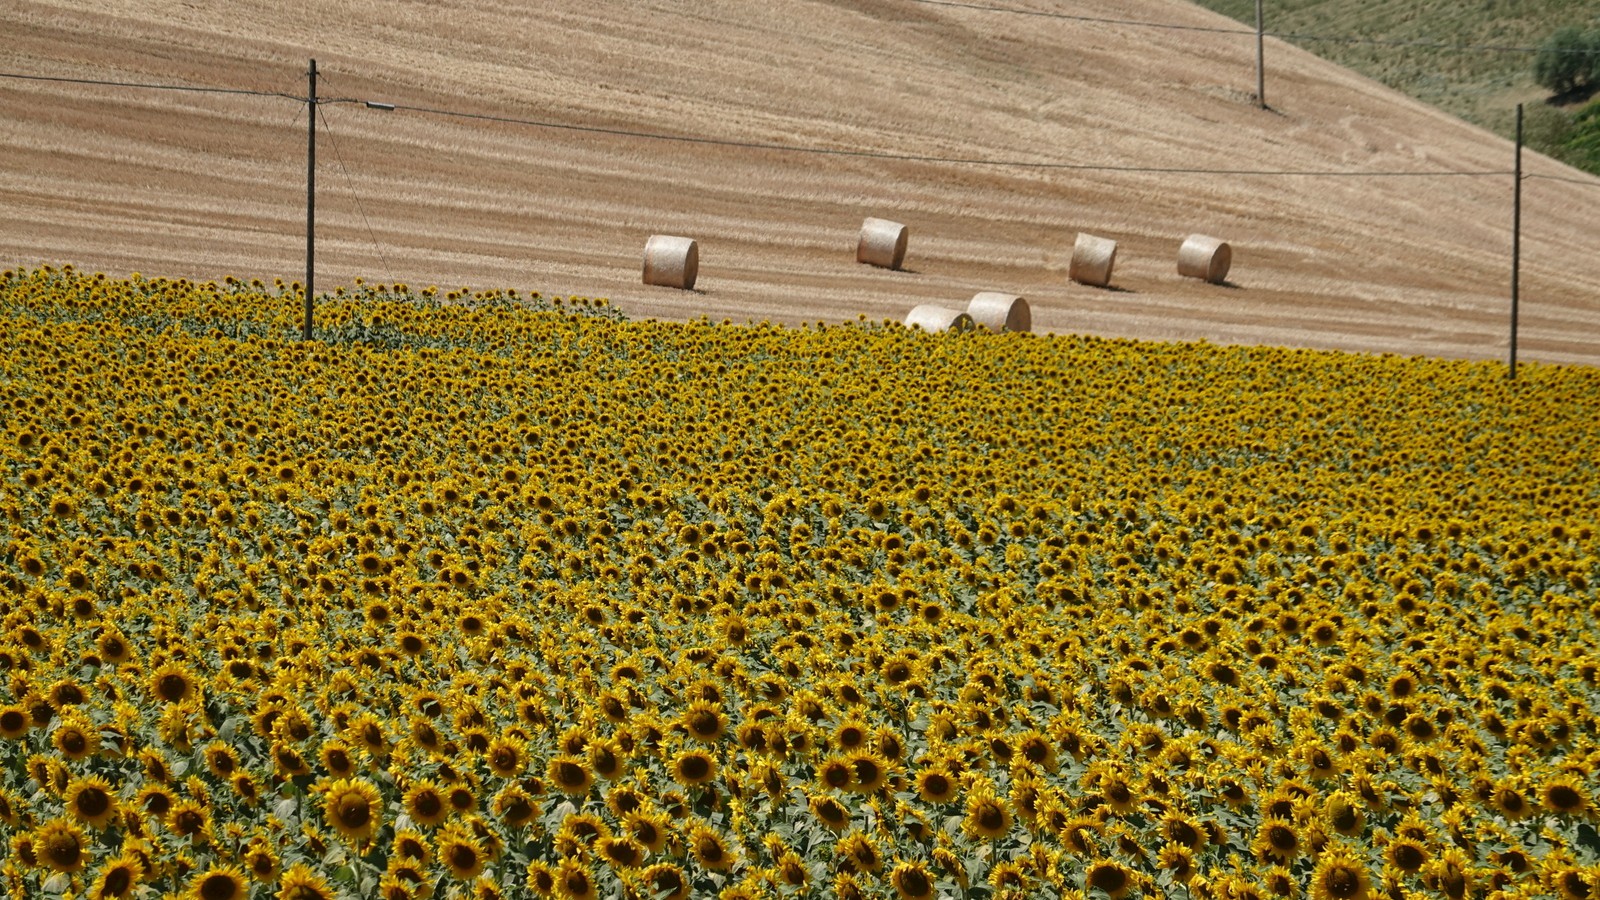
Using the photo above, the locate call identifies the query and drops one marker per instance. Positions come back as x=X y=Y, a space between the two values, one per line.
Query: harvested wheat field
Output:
x=201 y=185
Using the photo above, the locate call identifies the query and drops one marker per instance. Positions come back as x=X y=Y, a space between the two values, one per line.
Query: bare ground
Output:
x=203 y=185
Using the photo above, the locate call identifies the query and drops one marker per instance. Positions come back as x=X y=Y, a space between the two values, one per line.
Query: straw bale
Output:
x=1206 y=258
x=935 y=319
x=998 y=311
x=882 y=244
x=1092 y=259
x=671 y=261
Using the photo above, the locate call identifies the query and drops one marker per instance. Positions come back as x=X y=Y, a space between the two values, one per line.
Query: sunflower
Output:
x=1118 y=794
x=172 y=683
x=694 y=767
x=90 y=800
x=335 y=756
x=648 y=828
x=425 y=804
x=705 y=721
x=911 y=881
x=219 y=884
x=1564 y=795
x=353 y=807
x=1110 y=876
x=14 y=722
x=1408 y=855
x=1182 y=829
x=1277 y=840
x=858 y=851
x=1340 y=876
x=461 y=798
x=514 y=807
x=60 y=845
x=461 y=853
x=987 y=816
x=366 y=730
x=1570 y=882
x=1177 y=859
x=607 y=758
x=76 y=738
x=573 y=881
x=262 y=862
x=221 y=759
x=792 y=870
x=1344 y=815
x=665 y=881
x=541 y=879
x=289 y=761
x=935 y=785
x=836 y=773
x=621 y=852
x=831 y=813
x=8 y=808
x=189 y=819
x=1510 y=802
x=302 y=882
x=868 y=771
x=709 y=849
x=117 y=878
x=569 y=774
x=505 y=757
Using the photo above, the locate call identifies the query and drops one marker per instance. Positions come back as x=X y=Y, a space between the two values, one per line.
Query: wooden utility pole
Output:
x=1261 y=56
x=1516 y=242
x=311 y=196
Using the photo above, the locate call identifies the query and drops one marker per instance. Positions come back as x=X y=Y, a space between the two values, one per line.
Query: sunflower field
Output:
x=497 y=596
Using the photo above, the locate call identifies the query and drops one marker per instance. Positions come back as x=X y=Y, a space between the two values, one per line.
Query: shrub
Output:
x=1569 y=60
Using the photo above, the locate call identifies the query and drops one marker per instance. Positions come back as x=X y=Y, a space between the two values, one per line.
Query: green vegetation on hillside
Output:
x=1481 y=86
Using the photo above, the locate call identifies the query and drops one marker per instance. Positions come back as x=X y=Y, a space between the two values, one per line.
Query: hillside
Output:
x=1391 y=45
x=203 y=185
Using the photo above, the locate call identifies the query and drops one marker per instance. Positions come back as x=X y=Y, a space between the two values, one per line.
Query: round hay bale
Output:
x=671 y=261
x=999 y=311
x=935 y=319
x=1092 y=259
x=1205 y=258
x=882 y=244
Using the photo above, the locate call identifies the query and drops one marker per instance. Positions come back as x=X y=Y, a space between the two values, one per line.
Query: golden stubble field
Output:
x=196 y=185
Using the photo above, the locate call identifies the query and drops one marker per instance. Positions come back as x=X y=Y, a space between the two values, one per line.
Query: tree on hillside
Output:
x=1569 y=60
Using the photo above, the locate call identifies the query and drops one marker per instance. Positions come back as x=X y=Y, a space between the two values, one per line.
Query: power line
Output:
x=1586 y=182
x=907 y=157
x=1170 y=26
x=152 y=86
x=350 y=183
x=790 y=148
x=1284 y=35
x=1433 y=45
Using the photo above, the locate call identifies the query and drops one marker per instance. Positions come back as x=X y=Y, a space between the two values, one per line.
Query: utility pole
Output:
x=1516 y=243
x=1261 y=56
x=311 y=196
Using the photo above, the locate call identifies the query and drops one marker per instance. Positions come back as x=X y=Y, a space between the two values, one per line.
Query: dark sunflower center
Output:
x=117 y=882
x=695 y=768
x=1110 y=879
x=427 y=804
x=93 y=802
x=172 y=687
x=915 y=883
x=1342 y=881
x=219 y=887
x=991 y=817
x=354 y=811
